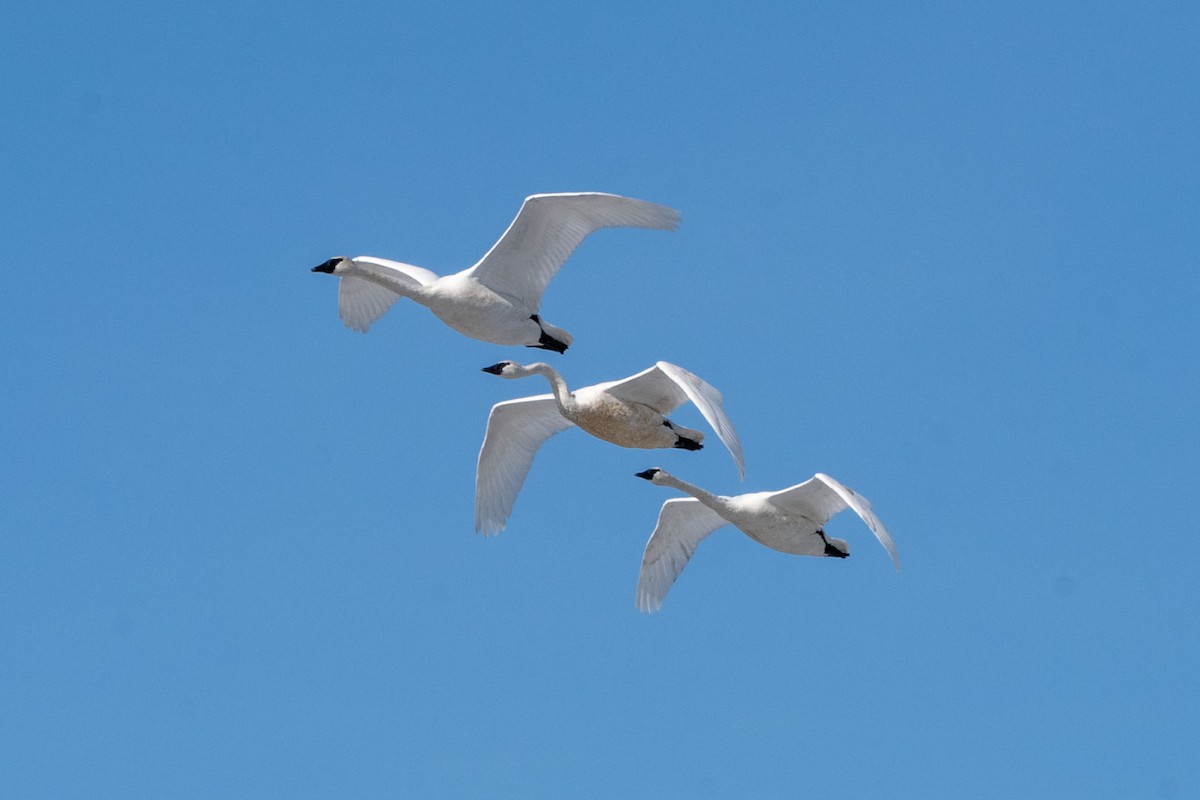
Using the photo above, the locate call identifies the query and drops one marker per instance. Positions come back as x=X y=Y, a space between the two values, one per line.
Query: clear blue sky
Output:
x=944 y=252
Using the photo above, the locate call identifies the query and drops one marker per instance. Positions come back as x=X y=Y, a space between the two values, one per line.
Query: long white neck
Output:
x=713 y=501
x=562 y=395
x=394 y=280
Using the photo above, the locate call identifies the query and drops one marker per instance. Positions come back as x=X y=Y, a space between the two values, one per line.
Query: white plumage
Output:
x=497 y=299
x=630 y=413
x=790 y=520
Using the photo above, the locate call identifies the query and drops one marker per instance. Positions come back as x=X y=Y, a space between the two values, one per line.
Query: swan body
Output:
x=629 y=412
x=790 y=520
x=497 y=299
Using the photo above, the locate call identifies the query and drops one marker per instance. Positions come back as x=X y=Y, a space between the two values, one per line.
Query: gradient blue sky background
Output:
x=945 y=252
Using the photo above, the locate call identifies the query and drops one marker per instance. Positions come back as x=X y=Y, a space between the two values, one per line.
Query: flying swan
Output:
x=790 y=520
x=630 y=413
x=497 y=299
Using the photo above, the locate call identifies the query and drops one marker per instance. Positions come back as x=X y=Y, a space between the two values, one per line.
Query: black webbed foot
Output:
x=546 y=341
x=830 y=550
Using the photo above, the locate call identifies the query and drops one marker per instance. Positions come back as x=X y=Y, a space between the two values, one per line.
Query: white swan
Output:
x=629 y=412
x=497 y=299
x=790 y=520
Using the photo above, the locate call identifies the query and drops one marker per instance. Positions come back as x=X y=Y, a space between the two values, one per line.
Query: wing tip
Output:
x=649 y=214
x=666 y=218
x=489 y=527
x=647 y=603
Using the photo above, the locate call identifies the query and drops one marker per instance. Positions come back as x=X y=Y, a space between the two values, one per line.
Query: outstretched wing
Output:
x=664 y=387
x=419 y=274
x=361 y=301
x=547 y=230
x=820 y=497
x=682 y=523
x=516 y=430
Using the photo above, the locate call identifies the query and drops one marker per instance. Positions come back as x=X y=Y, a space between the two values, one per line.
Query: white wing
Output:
x=419 y=274
x=362 y=301
x=664 y=387
x=820 y=497
x=547 y=230
x=516 y=430
x=682 y=523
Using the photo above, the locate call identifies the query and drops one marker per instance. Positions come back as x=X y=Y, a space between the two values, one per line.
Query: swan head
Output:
x=499 y=367
x=510 y=369
x=334 y=266
x=649 y=474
